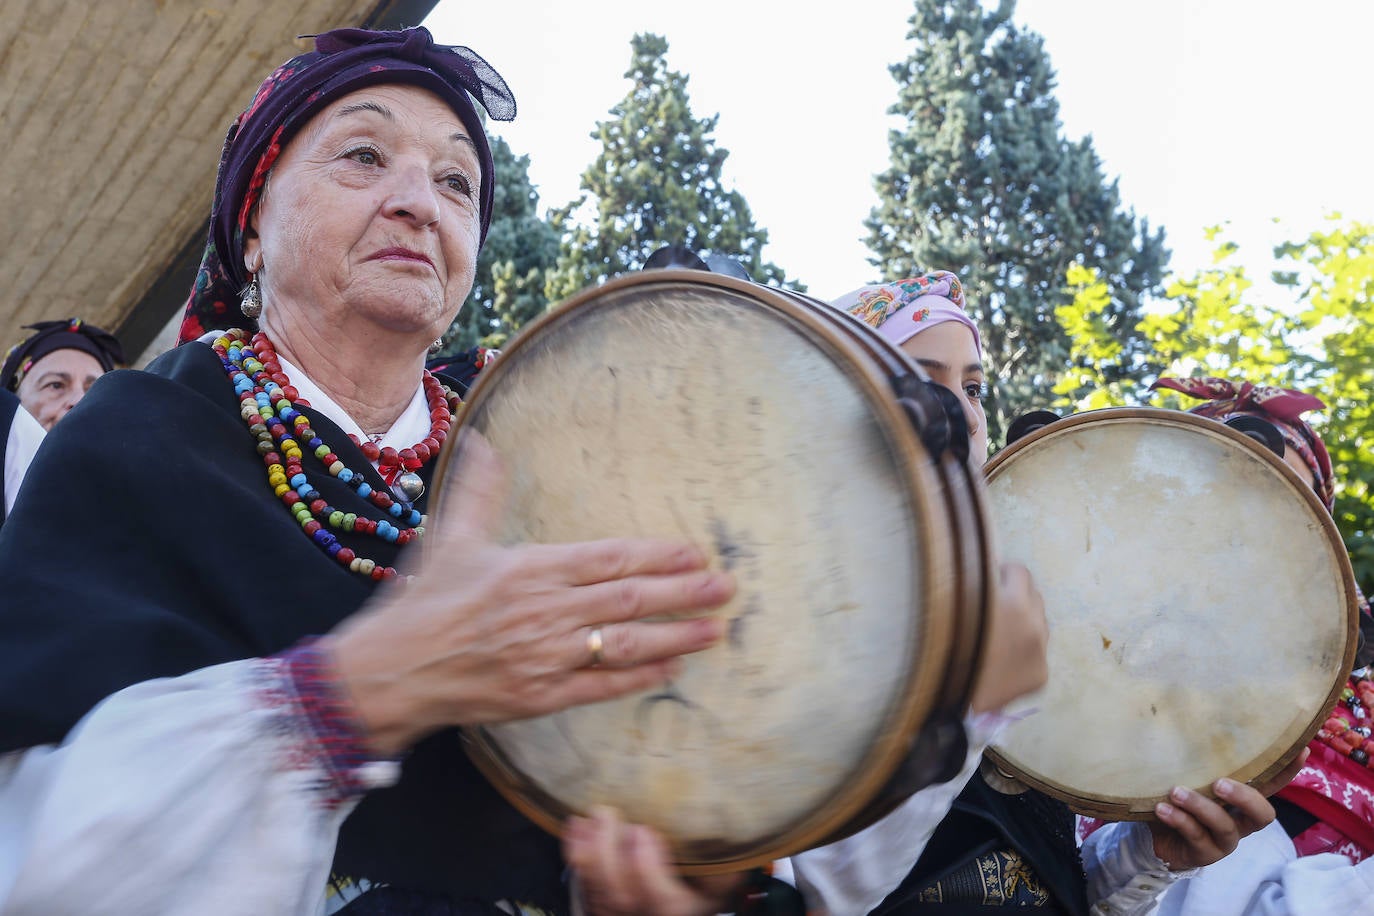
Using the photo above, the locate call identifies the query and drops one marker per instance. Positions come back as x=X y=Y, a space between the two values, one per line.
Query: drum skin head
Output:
x=1201 y=607
x=658 y=407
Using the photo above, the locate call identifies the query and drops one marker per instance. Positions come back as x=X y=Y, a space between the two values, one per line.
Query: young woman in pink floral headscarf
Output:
x=999 y=848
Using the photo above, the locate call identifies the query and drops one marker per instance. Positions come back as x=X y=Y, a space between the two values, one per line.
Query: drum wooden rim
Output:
x=925 y=675
x=975 y=574
x=968 y=515
x=1139 y=808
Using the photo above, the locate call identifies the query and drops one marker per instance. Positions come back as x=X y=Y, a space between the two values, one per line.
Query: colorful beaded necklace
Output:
x=1351 y=736
x=268 y=404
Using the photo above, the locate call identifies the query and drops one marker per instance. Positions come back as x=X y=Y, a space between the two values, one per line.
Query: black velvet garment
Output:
x=151 y=545
x=970 y=845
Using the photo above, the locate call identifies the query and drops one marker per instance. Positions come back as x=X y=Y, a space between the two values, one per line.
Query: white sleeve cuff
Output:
x=174 y=796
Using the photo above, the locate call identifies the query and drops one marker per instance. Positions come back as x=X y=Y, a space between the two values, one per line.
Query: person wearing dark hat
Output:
x=215 y=697
x=41 y=379
x=54 y=368
x=461 y=370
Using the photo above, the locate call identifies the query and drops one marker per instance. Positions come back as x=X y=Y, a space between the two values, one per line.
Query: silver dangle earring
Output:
x=435 y=347
x=251 y=302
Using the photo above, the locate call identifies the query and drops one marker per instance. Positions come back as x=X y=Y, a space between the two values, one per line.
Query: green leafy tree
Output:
x=512 y=269
x=1205 y=325
x=657 y=181
x=1331 y=273
x=982 y=182
x=1321 y=340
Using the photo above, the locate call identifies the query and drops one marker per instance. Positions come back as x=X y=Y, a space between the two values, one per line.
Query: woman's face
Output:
x=1293 y=458
x=370 y=217
x=950 y=357
x=56 y=383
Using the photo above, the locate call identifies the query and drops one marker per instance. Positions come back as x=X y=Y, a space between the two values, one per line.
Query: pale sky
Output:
x=1206 y=110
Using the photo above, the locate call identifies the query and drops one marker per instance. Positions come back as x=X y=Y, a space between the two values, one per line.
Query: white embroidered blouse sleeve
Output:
x=1265 y=877
x=852 y=876
x=22 y=442
x=213 y=792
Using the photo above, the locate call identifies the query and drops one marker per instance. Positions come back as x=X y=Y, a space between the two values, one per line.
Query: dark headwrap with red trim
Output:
x=1282 y=407
x=67 y=334
x=343 y=61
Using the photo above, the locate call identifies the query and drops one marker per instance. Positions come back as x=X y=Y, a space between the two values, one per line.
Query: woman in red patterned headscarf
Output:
x=1329 y=806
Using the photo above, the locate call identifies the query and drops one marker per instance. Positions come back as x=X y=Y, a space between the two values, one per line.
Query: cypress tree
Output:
x=983 y=182
x=657 y=181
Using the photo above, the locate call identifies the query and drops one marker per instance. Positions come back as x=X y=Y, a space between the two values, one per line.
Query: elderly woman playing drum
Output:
x=216 y=694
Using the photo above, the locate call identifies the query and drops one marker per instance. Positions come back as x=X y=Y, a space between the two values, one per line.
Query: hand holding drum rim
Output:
x=1194 y=830
x=625 y=869
x=488 y=633
x=1014 y=662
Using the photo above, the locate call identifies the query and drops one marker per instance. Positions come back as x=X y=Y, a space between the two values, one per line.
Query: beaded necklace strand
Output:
x=1352 y=738
x=268 y=404
x=399 y=467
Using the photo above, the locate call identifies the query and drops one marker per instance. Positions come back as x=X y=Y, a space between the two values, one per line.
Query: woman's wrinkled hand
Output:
x=1014 y=662
x=1194 y=830
x=489 y=633
x=624 y=870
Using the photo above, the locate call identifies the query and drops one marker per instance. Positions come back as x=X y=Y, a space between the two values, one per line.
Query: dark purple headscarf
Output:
x=343 y=61
x=66 y=334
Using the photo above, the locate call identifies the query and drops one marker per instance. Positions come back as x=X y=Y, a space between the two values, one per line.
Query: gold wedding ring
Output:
x=595 y=646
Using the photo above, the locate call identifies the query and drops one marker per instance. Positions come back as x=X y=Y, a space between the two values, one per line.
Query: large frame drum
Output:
x=818 y=465
x=1201 y=604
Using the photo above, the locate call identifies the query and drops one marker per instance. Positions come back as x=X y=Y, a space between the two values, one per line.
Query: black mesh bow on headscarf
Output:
x=343 y=61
